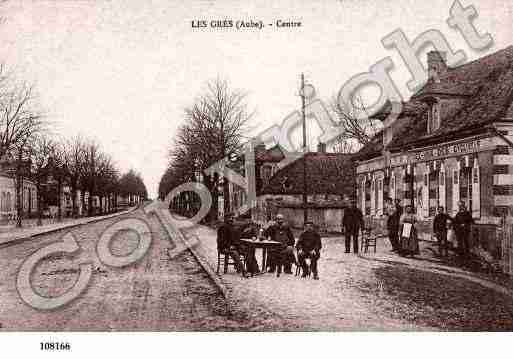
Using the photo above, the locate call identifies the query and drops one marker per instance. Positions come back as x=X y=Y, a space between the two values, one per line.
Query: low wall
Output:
x=328 y=220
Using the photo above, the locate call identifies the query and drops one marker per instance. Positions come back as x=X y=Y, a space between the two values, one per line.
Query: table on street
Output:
x=265 y=245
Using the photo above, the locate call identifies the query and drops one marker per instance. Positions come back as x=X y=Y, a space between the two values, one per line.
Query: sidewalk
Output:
x=15 y=235
x=370 y=291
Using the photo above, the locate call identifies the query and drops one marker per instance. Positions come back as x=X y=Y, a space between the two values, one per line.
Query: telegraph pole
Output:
x=305 y=210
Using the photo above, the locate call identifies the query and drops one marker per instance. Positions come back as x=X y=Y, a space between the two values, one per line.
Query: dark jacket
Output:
x=286 y=237
x=352 y=220
x=462 y=222
x=393 y=221
x=440 y=222
x=309 y=241
x=227 y=236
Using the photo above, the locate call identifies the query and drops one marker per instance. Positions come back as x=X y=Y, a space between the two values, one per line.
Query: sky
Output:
x=124 y=71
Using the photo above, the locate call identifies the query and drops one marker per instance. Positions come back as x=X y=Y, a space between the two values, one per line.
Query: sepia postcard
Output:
x=254 y=166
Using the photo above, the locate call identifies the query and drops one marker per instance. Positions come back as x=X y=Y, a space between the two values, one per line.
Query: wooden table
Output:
x=265 y=245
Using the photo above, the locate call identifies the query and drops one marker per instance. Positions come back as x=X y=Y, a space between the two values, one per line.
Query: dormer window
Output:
x=434 y=117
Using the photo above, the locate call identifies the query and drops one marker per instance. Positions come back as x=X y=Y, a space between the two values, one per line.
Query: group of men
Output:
x=353 y=222
x=461 y=224
x=283 y=255
x=309 y=244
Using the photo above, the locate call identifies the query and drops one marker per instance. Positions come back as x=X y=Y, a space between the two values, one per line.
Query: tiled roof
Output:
x=326 y=173
x=482 y=92
x=371 y=149
x=273 y=154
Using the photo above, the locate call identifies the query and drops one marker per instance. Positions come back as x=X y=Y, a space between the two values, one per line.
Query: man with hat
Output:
x=284 y=254
x=309 y=246
x=227 y=242
x=352 y=222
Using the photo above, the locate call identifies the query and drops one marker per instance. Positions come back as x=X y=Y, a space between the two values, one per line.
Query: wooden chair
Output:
x=369 y=239
x=227 y=261
x=299 y=270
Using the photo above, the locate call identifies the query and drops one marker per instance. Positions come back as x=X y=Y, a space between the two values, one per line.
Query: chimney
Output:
x=260 y=148
x=321 y=147
x=437 y=65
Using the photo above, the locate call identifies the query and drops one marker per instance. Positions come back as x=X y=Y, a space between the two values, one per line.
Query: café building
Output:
x=451 y=142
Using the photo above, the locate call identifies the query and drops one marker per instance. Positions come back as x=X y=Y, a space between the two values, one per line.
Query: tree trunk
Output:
x=59 y=201
x=90 y=203
x=19 y=200
x=82 y=202
x=39 y=211
x=74 y=192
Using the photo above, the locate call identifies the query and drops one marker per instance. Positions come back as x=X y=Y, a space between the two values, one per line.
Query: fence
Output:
x=505 y=234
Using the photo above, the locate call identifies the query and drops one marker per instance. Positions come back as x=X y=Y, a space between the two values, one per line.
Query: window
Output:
x=455 y=177
x=434 y=117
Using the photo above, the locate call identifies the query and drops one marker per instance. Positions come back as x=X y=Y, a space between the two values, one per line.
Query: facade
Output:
x=8 y=197
x=453 y=141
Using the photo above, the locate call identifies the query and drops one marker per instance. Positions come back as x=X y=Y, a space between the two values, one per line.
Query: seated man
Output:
x=284 y=255
x=309 y=246
x=249 y=231
x=227 y=242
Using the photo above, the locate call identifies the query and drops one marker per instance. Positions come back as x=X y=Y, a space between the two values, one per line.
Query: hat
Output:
x=279 y=216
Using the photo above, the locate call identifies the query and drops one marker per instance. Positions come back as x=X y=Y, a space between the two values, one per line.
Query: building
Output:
x=452 y=141
x=8 y=209
x=279 y=186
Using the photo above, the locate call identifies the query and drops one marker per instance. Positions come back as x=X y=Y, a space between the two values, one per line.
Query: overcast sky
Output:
x=123 y=71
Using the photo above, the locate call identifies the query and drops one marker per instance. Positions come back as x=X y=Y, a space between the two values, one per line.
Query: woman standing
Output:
x=408 y=240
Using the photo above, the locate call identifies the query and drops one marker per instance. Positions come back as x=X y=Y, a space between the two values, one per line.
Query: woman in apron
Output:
x=408 y=240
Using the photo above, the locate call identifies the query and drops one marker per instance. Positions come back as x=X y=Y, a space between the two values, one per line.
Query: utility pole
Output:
x=305 y=200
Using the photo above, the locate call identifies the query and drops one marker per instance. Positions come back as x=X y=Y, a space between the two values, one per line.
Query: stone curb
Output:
x=24 y=237
x=216 y=279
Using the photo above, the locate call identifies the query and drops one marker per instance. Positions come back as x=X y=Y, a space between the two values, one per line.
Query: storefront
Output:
x=472 y=170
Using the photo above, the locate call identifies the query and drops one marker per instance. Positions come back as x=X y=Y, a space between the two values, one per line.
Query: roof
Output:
x=371 y=149
x=326 y=173
x=273 y=154
x=479 y=92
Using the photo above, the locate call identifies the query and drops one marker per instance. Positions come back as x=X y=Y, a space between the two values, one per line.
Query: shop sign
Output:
x=446 y=151
x=370 y=166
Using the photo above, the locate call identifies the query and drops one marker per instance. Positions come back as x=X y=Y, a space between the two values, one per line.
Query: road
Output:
x=369 y=292
x=157 y=293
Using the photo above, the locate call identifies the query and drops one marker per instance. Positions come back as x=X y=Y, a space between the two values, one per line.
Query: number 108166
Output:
x=55 y=346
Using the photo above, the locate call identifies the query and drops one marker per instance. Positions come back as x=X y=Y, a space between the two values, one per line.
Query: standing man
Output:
x=227 y=242
x=440 y=230
x=352 y=222
x=462 y=224
x=398 y=207
x=394 y=214
x=309 y=246
x=284 y=255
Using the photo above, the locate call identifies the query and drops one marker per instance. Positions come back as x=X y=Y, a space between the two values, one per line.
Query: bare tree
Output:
x=20 y=120
x=41 y=150
x=215 y=129
x=20 y=117
x=89 y=172
x=358 y=127
x=73 y=152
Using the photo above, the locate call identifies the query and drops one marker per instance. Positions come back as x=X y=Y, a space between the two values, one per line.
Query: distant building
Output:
x=279 y=186
x=8 y=208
